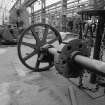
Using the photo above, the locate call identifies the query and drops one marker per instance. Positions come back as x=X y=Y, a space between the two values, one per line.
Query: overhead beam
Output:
x=29 y=2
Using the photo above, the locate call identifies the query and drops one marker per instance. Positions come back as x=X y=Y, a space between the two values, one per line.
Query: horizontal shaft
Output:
x=90 y=64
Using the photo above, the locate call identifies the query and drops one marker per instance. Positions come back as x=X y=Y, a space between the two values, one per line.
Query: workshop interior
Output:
x=61 y=41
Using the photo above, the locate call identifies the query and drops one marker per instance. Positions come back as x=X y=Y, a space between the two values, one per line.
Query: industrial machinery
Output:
x=72 y=61
x=99 y=34
x=75 y=64
x=9 y=34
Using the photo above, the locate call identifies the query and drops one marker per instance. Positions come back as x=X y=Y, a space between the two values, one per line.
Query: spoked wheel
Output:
x=31 y=43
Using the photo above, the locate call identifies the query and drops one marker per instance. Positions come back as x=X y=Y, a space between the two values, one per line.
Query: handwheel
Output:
x=31 y=43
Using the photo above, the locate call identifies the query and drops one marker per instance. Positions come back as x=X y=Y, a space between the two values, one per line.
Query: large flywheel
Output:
x=30 y=46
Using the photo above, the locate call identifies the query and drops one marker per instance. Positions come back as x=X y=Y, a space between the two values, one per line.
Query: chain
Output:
x=102 y=46
x=101 y=51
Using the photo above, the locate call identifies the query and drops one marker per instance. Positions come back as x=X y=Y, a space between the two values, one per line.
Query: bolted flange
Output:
x=65 y=64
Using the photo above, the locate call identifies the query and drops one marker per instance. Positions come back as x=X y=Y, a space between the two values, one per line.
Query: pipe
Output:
x=87 y=63
x=90 y=64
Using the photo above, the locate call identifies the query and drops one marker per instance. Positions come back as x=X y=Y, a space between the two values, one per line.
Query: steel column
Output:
x=43 y=11
x=64 y=18
x=32 y=13
x=99 y=33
